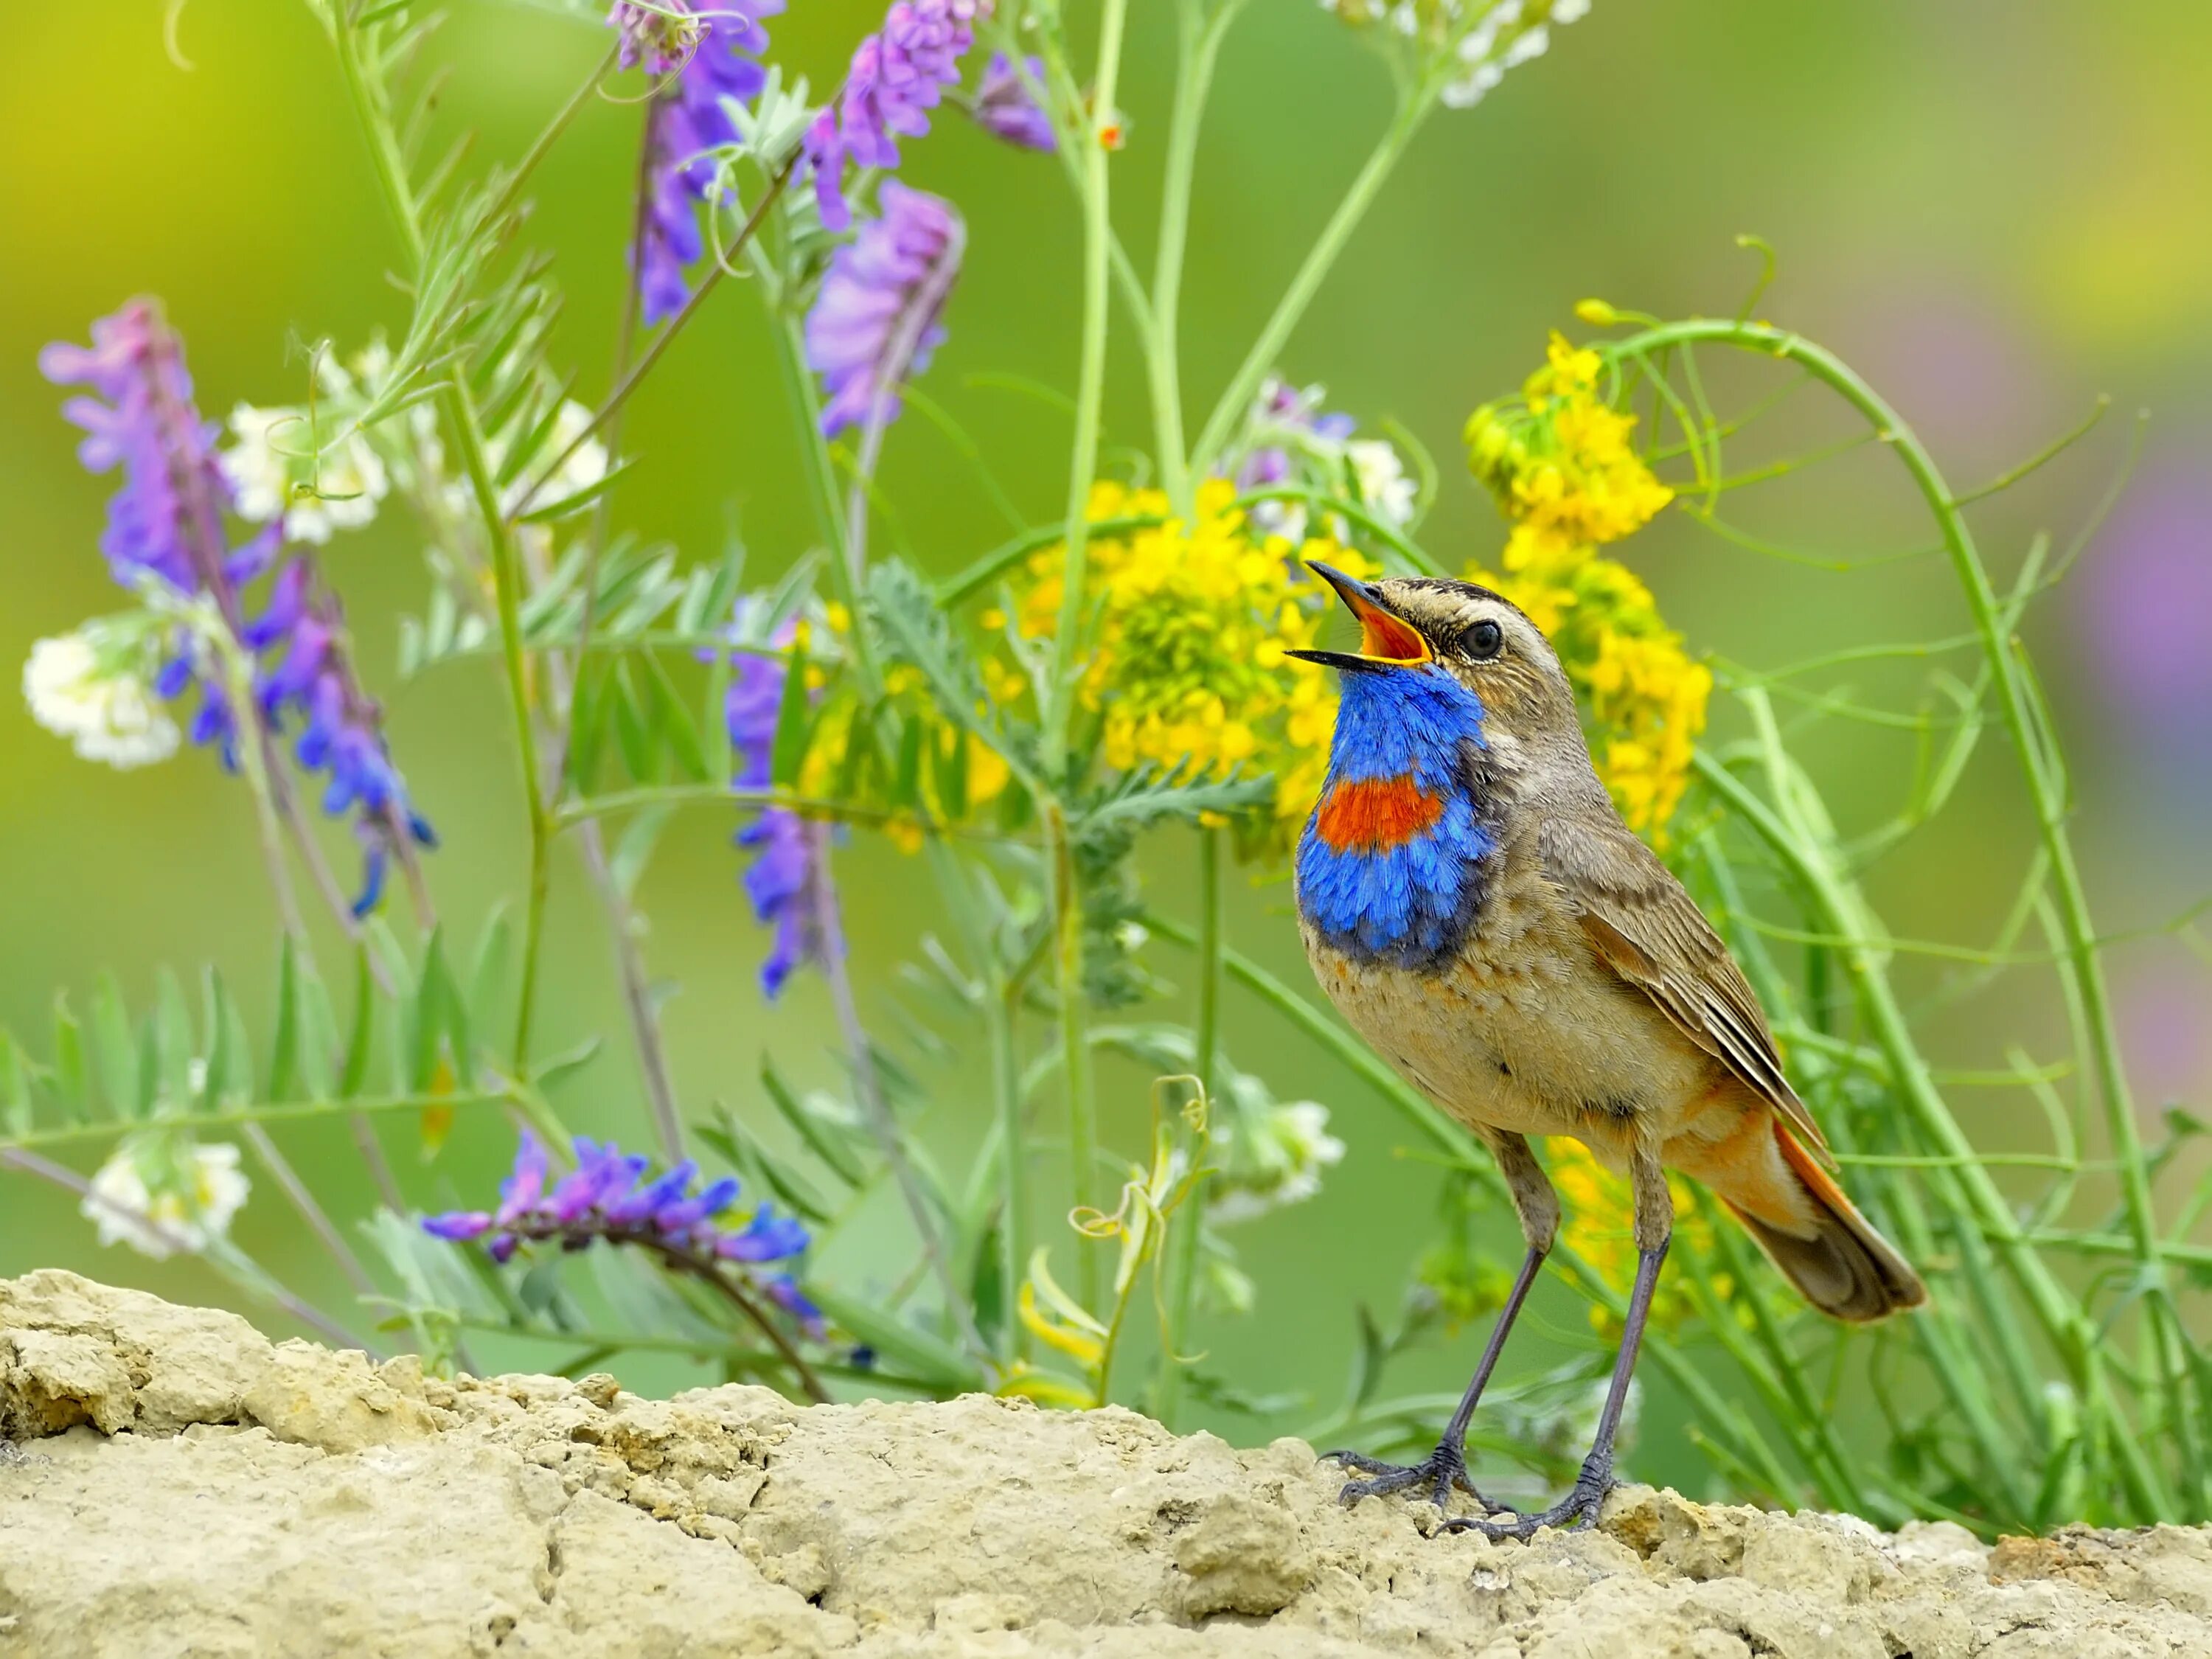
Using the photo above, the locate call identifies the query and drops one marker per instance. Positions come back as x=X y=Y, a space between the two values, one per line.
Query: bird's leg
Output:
x=1446 y=1467
x=1655 y=1227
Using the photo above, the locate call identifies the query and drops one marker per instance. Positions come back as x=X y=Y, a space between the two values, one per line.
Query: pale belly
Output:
x=1526 y=1033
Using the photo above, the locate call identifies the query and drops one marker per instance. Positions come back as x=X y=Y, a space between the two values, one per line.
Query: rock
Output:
x=190 y=1488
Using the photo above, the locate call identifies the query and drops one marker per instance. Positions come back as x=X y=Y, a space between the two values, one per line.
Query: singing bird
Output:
x=1475 y=906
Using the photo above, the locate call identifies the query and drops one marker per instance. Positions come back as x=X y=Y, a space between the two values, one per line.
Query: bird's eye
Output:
x=1486 y=639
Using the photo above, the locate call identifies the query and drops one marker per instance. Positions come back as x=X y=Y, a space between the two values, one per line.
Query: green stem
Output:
x=1236 y=398
x=1967 y=1182
x=1013 y=1159
x=2033 y=744
x=1198 y=46
x=390 y=168
x=1184 y=1241
x=1090 y=397
x=1074 y=1044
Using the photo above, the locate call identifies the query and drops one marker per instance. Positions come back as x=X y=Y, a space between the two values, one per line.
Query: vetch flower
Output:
x=274 y=472
x=898 y=75
x=1003 y=107
x=160 y=1192
x=1290 y=439
x=167 y=518
x=607 y=1198
x=97 y=691
x=876 y=318
x=166 y=524
x=342 y=733
x=781 y=881
x=709 y=55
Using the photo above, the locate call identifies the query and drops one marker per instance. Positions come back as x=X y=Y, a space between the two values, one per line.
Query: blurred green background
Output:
x=1994 y=212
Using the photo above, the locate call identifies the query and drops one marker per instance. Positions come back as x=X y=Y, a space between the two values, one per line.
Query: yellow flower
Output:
x=1559 y=460
x=1194 y=620
x=1601 y=1228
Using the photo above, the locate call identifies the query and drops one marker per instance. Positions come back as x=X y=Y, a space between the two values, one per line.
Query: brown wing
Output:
x=1647 y=929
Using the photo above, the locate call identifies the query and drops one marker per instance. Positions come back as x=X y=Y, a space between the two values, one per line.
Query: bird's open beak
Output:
x=1386 y=639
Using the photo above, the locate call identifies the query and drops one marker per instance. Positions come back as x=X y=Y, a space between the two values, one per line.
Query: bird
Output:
x=1472 y=903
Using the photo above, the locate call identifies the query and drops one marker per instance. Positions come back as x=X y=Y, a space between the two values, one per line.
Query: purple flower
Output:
x=898 y=75
x=780 y=882
x=342 y=734
x=168 y=521
x=1002 y=104
x=707 y=55
x=607 y=1197
x=876 y=321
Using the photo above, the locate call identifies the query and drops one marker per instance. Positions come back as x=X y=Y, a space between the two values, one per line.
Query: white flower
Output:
x=1278 y=1157
x=98 y=699
x=159 y=1196
x=1384 y=489
x=273 y=469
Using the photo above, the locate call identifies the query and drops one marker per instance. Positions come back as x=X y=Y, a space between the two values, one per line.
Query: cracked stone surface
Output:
x=181 y=1486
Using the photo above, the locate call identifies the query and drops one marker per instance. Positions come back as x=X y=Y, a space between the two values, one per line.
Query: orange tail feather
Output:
x=1836 y=1259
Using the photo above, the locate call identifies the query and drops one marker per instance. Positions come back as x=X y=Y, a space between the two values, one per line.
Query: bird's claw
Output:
x=1578 y=1510
x=1442 y=1471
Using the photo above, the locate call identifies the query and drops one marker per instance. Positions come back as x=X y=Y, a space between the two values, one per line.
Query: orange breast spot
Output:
x=1370 y=815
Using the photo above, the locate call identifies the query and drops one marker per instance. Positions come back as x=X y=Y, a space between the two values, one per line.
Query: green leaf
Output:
x=488 y=976
x=918 y=1353
x=229 y=1078
x=627 y=863
x=756 y=1164
x=576 y=501
x=632 y=733
x=360 y=1043
x=174 y=1048
x=284 y=1068
x=587 y=725
x=69 y=1083
x=15 y=1113
x=673 y=722
x=426 y=1015
x=949 y=770
x=1144 y=797
x=795 y=722
x=827 y=1141
x=115 y=1049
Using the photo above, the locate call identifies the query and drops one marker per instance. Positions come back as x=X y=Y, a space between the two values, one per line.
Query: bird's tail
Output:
x=1836 y=1259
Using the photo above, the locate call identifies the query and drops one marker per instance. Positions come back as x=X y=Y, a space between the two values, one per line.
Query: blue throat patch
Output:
x=1389 y=867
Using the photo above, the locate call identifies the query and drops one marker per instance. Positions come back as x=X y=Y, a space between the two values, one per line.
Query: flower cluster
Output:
x=1003 y=107
x=876 y=321
x=703 y=56
x=166 y=526
x=1290 y=441
x=607 y=1197
x=95 y=687
x=1195 y=618
x=161 y=1191
x=1560 y=461
x=1601 y=1228
x=1481 y=39
x=1270 y=1154
x=275 y=470
x=303 y=632
x=899 y=74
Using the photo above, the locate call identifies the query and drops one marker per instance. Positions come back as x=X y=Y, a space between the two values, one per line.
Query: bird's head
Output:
x=1425 y=642
x=1452 y=702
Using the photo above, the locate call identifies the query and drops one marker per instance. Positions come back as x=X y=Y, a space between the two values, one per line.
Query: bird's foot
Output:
x=1442 y=1471
x=1578 y=1510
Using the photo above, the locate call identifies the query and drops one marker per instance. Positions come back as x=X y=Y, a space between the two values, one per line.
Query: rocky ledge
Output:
x=180 y=1484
